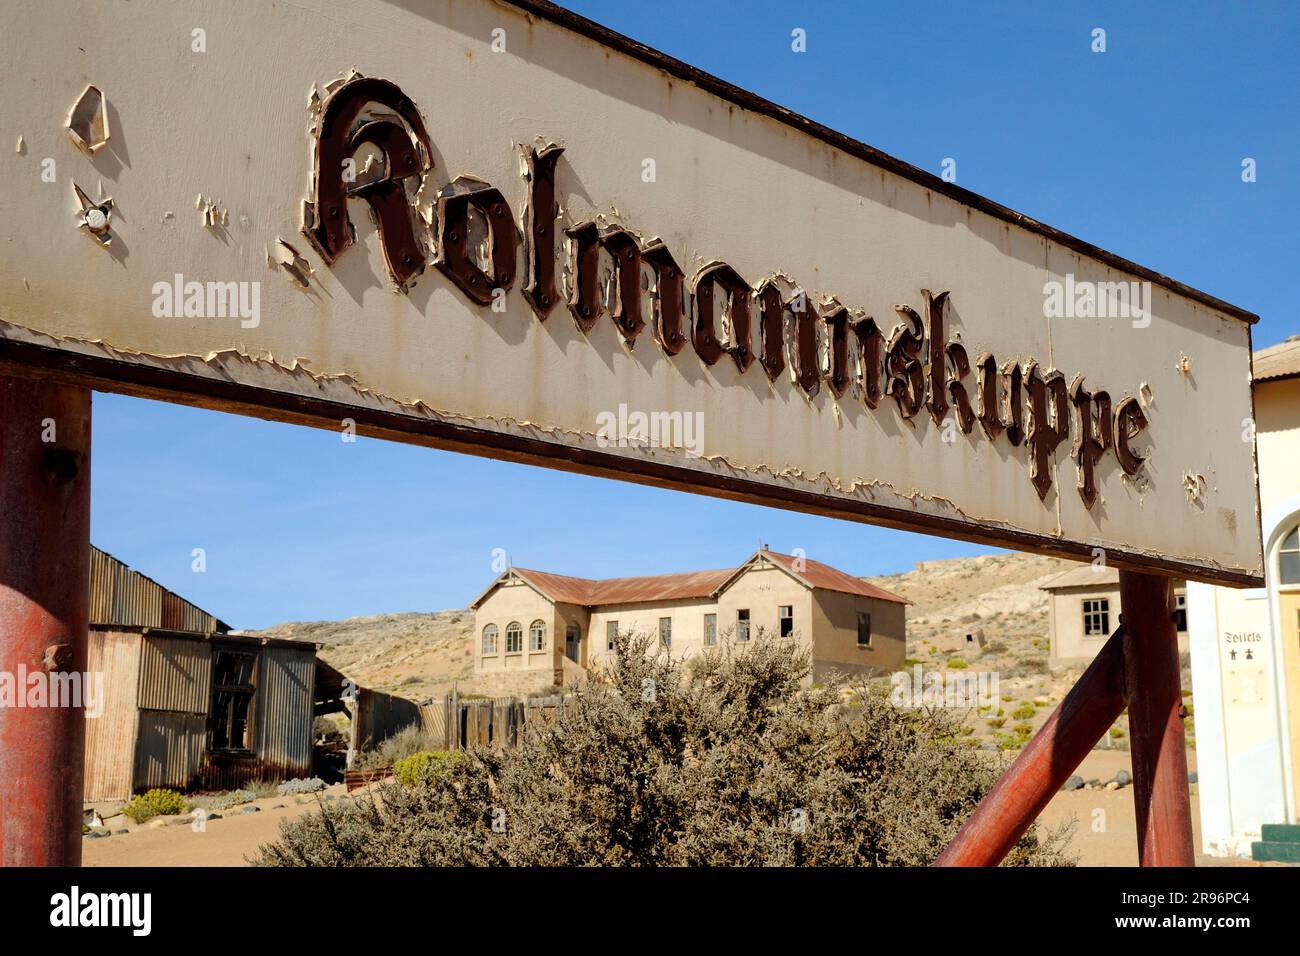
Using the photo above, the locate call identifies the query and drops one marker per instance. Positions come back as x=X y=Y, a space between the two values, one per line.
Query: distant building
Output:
x=185 y=703
x=1246 y=648
x=535 y=630
x=1083 y=611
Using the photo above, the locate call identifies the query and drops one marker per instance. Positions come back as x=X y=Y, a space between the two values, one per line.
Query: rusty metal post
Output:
x=1155 y=712
x=44 y=607
x=1010 y=808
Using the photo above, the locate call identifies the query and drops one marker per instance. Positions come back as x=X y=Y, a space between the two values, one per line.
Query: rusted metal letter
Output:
x=407 y=153
x=625 y=250
x=771 y=329
x=990 y=417
x=1094 y=438
x=936 y=398
x=1014 y=413
x=1130 y=421
x=871 y=359
x=669 y=302
x=903 y=362
x=735 y=315
x=454 y=259
x=584 y=274
x=1047 y=428
x=956 y=389
x=540 y=214
x=807 y=360
x=836 y=320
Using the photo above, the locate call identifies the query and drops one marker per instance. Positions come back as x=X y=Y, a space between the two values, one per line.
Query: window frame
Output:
x=864 y=617
x=782 y=617
x=711 y=630
x=245 y=691
x=496 y=640
x=1096 y=619
x=536 y=643
x=666 y=632
x=611 y=634
x=515 y=633
x=1290 y=545
x=743 y=624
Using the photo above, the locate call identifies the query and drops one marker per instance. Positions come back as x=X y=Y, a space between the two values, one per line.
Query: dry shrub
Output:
x=730 y=762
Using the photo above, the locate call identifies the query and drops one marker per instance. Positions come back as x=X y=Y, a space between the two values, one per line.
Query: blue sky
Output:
x=1137 y=149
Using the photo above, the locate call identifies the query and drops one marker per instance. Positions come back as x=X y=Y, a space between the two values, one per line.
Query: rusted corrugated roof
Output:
x=1277 y=361
x=660 y=587
x=689 y=585
x=120 y=595
x=823 y=576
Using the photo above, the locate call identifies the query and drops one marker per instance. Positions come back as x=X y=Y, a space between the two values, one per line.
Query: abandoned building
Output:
x=186 y=704
x=1083 y=611
x=535 y=630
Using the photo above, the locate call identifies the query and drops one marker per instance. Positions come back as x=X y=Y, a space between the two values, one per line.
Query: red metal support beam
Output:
x=1155 y=718
x=44 y=607
x=1010 y=808
x=1139 y=669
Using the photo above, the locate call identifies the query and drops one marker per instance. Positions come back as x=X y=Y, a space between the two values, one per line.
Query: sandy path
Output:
x=224 y=842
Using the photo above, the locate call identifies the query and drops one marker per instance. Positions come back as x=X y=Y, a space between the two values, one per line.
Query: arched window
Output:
x=514 y=638
x=1288 y=559
x=490 y=639
x=537 y=636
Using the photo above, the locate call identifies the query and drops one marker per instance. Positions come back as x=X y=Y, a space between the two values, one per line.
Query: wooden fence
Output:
x=485 y=722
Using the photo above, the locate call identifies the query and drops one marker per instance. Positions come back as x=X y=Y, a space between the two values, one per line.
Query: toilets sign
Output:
x=505 y=231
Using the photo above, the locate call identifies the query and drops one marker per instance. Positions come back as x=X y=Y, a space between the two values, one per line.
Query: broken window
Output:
x=742 y=624
x=537 y=636
x=1096 y=617
x=611 y=634
x=710 y=630
x=864 y=629
x=490 y=639
x=514 y=638
x=666 y=631
x=229 y=719
x=1180 y=613
x=785 y=615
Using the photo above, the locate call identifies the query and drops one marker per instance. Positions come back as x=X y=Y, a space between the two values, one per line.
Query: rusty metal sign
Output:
x=849 y=335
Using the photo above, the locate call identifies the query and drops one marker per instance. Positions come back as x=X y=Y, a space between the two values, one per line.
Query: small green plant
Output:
x=1024 y=711
x=996 y=721
x=426 y=766
x=1023 y=730
x=957 y=664
x=154 y=803
x=1116 y=733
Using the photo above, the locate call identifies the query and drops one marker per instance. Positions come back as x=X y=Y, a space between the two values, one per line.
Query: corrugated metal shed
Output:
x=110 y=737
x=284 y=732
x=169 y=749
x=175 y=673
x=119 y=595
